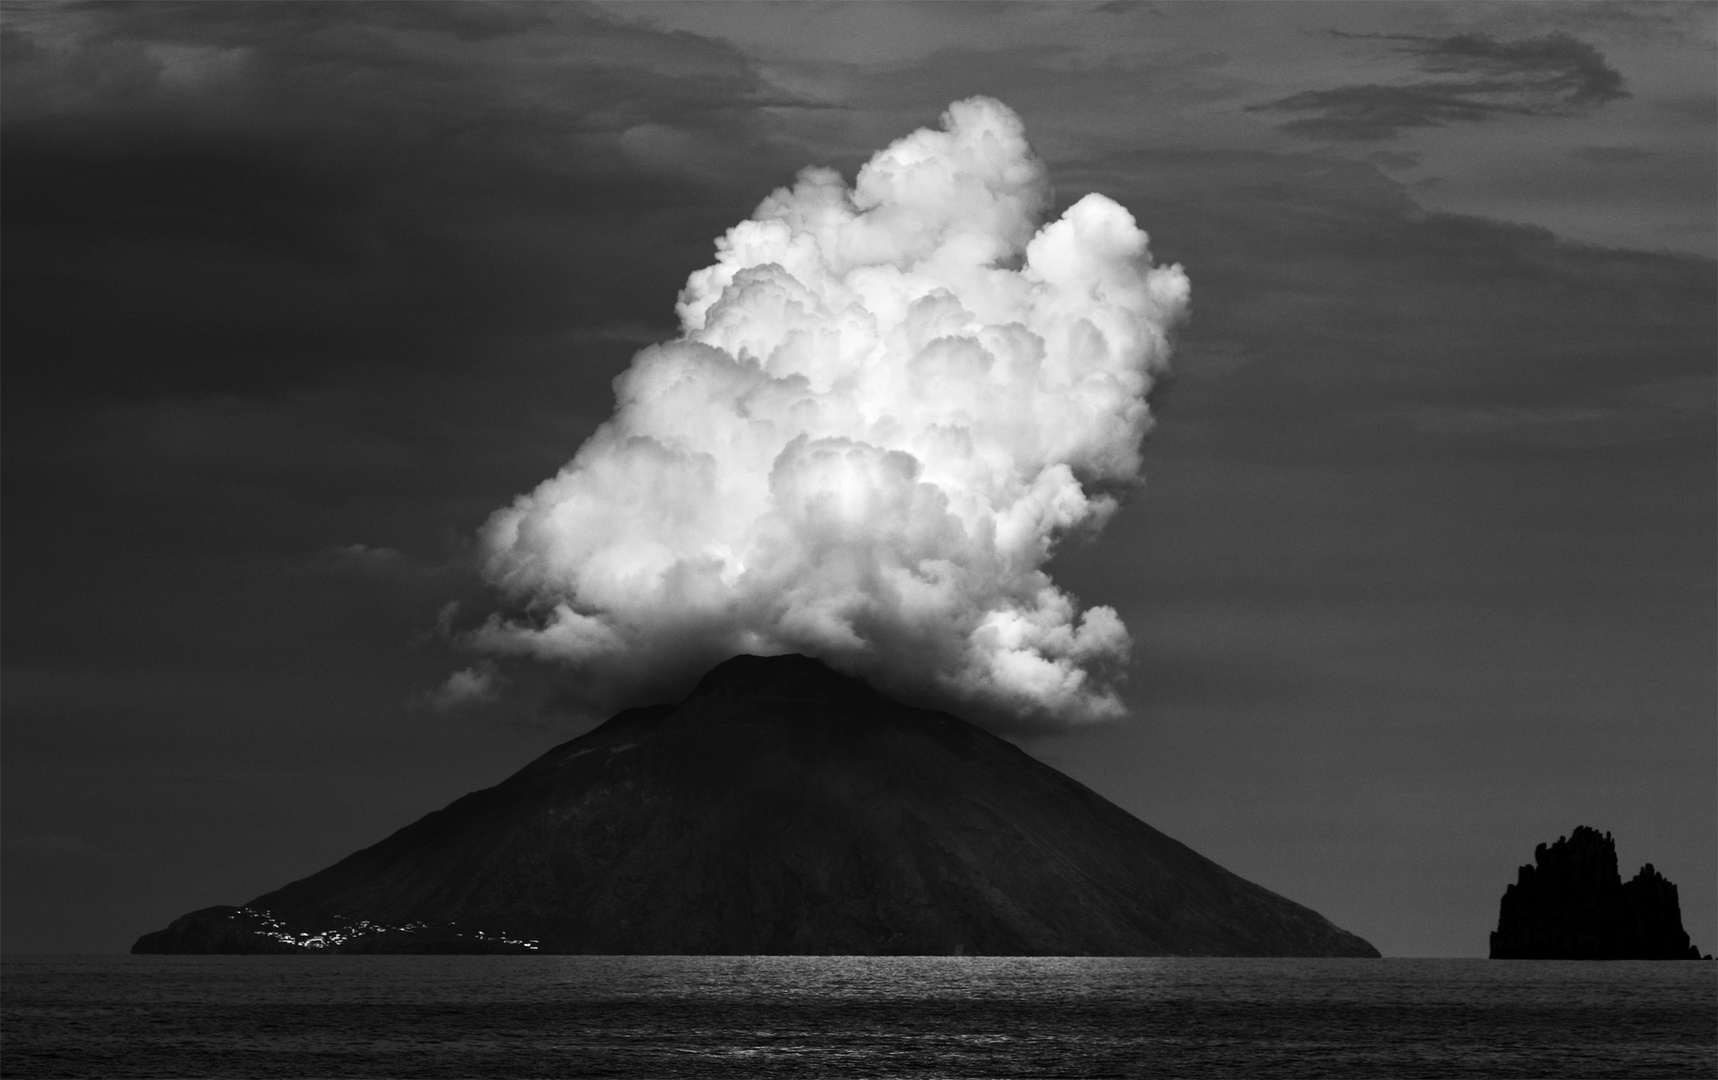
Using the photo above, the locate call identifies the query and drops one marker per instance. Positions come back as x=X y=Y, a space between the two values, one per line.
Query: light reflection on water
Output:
x=852 y=1016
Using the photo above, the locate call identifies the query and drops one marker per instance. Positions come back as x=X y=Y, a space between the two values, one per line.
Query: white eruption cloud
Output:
x=886 y=407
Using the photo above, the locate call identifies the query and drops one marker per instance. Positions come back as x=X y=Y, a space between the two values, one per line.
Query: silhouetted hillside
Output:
x=781 y=808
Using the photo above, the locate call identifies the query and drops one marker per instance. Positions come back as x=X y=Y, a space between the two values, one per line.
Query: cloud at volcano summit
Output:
x=887 y=406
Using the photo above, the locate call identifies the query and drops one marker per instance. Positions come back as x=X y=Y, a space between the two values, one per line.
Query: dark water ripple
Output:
x=342 y=1016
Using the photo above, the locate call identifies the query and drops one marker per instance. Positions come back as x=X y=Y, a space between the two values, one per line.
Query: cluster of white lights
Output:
x=266 y=924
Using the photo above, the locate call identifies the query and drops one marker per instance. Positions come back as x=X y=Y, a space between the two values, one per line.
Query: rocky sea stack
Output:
x=781 y=808
x=1572 y=904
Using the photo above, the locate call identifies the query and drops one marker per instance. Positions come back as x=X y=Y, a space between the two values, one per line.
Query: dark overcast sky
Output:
x=295 y=295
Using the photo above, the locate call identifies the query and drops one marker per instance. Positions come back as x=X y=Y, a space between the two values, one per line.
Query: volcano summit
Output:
x=781 y=808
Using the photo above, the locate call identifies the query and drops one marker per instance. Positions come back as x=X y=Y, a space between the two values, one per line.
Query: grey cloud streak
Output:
x=1475 y=77
x=231 y=198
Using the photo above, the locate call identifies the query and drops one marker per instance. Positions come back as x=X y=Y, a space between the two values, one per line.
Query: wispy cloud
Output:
x=1612 y=155
x=1462 y=78
x=467 y=688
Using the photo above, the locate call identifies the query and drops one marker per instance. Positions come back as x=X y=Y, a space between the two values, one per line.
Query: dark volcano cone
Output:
x=781 y=808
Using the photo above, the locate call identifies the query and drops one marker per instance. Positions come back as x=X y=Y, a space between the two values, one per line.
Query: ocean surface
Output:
x=525 y=1016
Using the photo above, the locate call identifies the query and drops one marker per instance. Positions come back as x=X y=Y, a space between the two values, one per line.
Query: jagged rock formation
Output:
x=781 y=808
x=1573 y=905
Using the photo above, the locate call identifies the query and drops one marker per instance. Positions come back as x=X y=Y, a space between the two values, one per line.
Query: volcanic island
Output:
x=781 y=808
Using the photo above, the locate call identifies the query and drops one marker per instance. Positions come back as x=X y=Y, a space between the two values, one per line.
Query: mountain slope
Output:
x=781 y=808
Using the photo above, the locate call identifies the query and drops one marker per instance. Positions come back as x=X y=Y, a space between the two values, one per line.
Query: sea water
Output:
x=524 y=1016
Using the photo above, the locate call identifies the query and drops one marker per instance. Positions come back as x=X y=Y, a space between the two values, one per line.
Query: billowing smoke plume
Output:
x=886 y=406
